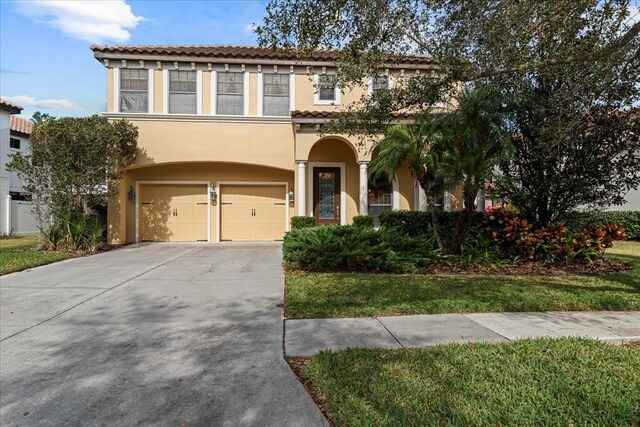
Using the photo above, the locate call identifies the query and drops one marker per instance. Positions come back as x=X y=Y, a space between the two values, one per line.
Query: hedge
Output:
x=418 y=223
x=363 y=221
x=302 y=222
x=356 y=248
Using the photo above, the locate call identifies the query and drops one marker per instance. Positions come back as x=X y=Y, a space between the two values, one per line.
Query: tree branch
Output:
x=571 y=59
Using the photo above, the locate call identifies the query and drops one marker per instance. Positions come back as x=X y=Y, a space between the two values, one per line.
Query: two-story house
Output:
x=229 y=143
x=15 y=205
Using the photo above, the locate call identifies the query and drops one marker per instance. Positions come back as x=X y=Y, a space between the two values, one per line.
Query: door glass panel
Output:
x=326 y=195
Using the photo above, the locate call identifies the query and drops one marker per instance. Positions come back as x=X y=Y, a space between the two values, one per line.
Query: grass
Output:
x=560 y=382
x=21 y=252
x=319 y=295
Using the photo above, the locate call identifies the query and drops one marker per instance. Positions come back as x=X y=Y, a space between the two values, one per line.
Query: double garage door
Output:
x=180 y=212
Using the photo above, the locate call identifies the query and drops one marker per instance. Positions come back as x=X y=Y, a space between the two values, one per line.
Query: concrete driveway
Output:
x=163 y=334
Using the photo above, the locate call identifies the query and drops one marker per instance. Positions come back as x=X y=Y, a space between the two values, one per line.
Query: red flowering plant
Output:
x=518 y=240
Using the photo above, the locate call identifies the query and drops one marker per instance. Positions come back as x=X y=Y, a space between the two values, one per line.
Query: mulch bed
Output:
x=599 y=267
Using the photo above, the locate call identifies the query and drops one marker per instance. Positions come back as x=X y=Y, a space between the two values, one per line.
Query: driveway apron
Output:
x=159 y=334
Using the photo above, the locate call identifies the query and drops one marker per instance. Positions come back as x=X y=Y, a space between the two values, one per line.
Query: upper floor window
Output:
x=134 y=90
x=182 y=92
x=14 y=143
x=379 y=83
x=326 y=89
x=230 y=93
x=276 y=95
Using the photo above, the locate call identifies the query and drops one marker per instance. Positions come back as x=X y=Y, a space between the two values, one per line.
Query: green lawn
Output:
x=562 y=382
x=20 y=253
x=318 y=295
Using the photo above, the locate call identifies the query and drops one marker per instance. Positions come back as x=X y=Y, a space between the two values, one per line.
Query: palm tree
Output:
x=474 y=141
x=412 y=147
x=446 y=150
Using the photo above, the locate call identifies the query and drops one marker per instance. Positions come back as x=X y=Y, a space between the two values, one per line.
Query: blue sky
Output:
x=45 y=61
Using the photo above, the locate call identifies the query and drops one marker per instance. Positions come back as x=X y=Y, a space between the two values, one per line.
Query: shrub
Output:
x=363 y=221
x=517 y=239
x=418 y=223
x=356 y=248
x=630 y=220
x=302 y=222
x=52 y=235
x=95 y=233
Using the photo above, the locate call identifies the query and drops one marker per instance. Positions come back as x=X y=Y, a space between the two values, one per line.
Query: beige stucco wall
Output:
x=266 y=144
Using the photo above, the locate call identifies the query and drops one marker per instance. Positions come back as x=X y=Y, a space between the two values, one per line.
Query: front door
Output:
x=326 y=195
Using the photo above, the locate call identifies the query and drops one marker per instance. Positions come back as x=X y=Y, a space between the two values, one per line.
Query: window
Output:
x=230 y=93
x=380 y=197
x=14 y=143
x=379 y=82
x=182 y=92
x=134 y=90
x=326 y=88
x=276 y=95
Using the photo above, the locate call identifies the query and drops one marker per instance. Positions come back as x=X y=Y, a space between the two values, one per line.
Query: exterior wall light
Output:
x=213 y=196
x=131 y=194
x=291 y=198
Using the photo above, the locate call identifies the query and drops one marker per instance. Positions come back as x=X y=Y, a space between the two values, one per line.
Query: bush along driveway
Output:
x=320 y=295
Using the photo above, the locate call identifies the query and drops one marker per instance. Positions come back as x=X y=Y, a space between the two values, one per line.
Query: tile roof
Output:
x=20 y=125
x=7 y=106
x=230 y=51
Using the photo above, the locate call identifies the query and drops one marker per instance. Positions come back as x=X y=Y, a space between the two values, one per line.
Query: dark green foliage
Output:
x=75 y=232
x=363 y=221
x=630 y=220
x=355 y=248
x=416 y=223
x=302 y=222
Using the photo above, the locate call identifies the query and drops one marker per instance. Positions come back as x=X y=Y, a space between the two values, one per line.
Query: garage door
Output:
x=173 y=212
x=252 y=212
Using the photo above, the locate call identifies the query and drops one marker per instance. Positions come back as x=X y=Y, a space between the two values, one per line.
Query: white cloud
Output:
x=249 y=29
x=30 y=101
x=90 y=21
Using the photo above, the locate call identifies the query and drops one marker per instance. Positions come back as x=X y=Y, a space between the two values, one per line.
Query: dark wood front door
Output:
x=326 y=195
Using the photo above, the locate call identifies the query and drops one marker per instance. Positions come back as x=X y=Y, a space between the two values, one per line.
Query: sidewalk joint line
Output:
x=387 y=329
x=466 y=315
x=97 y=295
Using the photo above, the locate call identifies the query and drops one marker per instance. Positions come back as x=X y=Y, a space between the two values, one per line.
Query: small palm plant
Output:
x=474 y=141
x=450 y=149
x=413 y=147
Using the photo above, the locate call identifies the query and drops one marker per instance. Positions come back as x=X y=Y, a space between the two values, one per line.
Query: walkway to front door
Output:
x=167 y=334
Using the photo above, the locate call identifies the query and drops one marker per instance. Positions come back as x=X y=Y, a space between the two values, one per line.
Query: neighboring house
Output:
x=229 y=143
x=15 y=207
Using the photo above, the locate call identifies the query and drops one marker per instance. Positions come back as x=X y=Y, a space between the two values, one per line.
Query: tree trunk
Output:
x=463 y=223
x=435 y=221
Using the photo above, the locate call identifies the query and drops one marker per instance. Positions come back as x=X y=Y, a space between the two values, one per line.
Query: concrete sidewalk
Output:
x=307 y=337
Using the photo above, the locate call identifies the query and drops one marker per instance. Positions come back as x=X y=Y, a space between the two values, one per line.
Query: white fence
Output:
x=22 y=219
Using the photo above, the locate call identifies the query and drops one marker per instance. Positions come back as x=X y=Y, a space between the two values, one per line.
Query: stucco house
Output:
x=229 y=143
x=15 y=204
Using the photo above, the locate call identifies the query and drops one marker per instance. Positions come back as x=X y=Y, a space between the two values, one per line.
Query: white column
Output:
x=480 y=202
x=422 y=199
x=7 y=223
x=364 y=189
x=301 y=187
x=447 y=201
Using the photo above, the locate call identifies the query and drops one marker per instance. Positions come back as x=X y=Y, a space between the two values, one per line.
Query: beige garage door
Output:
x=173 y=212
x=252 y=212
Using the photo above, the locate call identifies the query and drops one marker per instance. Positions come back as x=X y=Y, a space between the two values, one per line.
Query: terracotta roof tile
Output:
x=7 y=106
x=229 y=51
x=20 y=125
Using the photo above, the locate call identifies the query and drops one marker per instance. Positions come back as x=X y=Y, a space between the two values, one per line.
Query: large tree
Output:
x=75 y=164
x=559 y=64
